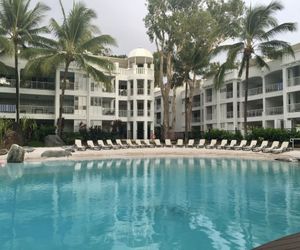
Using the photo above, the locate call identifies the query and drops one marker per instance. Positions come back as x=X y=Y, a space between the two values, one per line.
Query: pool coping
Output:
x=35 y=156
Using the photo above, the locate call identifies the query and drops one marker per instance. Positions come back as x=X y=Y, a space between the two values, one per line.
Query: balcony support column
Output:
x=264 y=101
x=134 y=135
x=285 y=96
x=145 y=130
x=57 y=95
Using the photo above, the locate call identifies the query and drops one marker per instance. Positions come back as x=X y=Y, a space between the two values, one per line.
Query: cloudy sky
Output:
x=124 y=20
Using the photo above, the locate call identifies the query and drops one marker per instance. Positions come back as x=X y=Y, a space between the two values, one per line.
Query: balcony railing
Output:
x=196 y=104
x=274 y=87
x=294 y=81
x=29 y=109
x=254 y=91
x=255 y=112
x=158 y=107
x=123 y=113
x=38 y=85
x=295 y=107
x=227 y=95
x=130 y=113
x=68 y=110
x=140 y=112
x=149 y=113
x=7 y=108
x=141 y=71
x=229 y=114
x=108 y=111
x=140 y=91
x=209 y=117
x=158 y=121
x=123 y=92
x=149 y=91
x=196 y=119
x=274 y=111
x=209 y=98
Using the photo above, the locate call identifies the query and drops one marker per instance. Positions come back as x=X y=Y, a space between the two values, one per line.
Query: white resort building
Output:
x=130 y=98
x=273 y=99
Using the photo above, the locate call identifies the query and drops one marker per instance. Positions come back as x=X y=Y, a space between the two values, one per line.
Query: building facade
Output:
x=273 y=99
x=129 y=98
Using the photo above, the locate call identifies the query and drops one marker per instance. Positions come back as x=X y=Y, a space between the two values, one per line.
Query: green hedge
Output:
x=272 y=134
x=222 y=134
x=259 y=134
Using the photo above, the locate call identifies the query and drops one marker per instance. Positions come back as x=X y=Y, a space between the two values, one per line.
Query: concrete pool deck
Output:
x=35 y=156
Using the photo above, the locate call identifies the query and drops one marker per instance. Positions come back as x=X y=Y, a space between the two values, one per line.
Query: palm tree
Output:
x=75 y=43
x=255 y=44
x=19 y=27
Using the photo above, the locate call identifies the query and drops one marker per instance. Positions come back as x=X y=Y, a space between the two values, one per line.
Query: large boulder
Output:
x=12 y=137
x=56 y=153
x=53 y=141
x=16 y=154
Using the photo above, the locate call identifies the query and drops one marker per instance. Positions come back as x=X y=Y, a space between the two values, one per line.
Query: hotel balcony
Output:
x=140 y=91
x=123 y=113
x=254 y=91
x=196 y=104
x=229 y=114
x=108 y=111
x=293 y=108
x=140 y=112
x=196 y=119
x=274 y=87
x=274 y=110
x=11 y=83
x=209 y=98
x=294 y=81
x=27 y=109
x=255 y=112
x=68 y=110
x=123 y=92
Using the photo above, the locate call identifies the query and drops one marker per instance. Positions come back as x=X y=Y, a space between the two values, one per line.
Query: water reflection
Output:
x=152 y=203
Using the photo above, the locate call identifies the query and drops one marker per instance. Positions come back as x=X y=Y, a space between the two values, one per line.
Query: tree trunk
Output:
x=61 y=100
x=17 y=84
x=186 y=114
x=190 y=102
x=173 y=108
x=246 y=97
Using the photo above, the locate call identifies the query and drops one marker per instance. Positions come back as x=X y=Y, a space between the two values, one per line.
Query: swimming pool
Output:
x=148 y=204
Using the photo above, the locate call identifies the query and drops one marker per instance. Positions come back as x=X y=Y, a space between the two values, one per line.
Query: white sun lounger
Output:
x=168 y=143
x=212 y=144
x=191 y=143
x=130 y=144
x=102 y=145
x=263 y=145
x=251 y=146
x=139 y=143
x=148 y=144
x=179 y=143
x=79 y=145
x=274 y=145
x=110 y=143
x=231 y=145
x=284 y=146
x=241 y=146
x=91 y=145
x=224 y=142
x=201 y=143
x=120 y=144
x=157 y=143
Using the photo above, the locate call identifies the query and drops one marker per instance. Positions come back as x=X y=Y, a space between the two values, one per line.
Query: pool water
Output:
x=148 y=204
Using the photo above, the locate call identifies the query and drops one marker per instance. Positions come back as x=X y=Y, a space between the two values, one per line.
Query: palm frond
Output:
x=285 y=27
x=226 y=48
x=276 y=48
x=261 y=62
x=96 y=43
